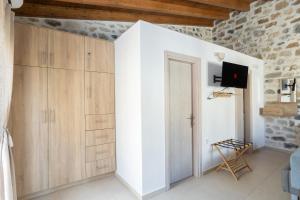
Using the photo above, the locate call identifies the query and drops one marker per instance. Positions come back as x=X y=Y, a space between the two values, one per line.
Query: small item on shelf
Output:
x=236 y=162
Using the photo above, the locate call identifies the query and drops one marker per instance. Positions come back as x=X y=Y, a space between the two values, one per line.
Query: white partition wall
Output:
x=140 y=61
x=128 y=109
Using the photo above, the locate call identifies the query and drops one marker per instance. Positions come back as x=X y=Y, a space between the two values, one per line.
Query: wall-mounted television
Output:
x=234 y=75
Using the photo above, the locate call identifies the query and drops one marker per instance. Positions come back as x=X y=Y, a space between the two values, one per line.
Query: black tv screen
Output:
x=234 y=75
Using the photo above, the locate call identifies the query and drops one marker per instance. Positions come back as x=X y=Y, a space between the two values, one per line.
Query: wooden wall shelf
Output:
x=222 y=94
x=279 y=109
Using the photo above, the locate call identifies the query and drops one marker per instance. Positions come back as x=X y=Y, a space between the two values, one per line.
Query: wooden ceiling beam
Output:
x=54 y=11
x=160 y=7
x=240 y=5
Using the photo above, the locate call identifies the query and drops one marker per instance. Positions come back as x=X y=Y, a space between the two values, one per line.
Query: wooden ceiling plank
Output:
x=240 y=5
x=161 y=7
x=51 y=11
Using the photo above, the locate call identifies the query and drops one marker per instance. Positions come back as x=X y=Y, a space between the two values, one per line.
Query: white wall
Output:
x=218 y=115
x=128 y=109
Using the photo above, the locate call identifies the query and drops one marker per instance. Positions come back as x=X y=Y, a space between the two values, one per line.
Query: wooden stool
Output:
x=236 y=162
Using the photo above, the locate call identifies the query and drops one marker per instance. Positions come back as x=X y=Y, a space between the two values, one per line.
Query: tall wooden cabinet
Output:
x=62 y=117
x=99 y=107
x=30 y=128
x=66 y=126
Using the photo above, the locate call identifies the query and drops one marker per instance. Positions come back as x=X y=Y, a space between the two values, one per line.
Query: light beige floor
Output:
x=261 y=184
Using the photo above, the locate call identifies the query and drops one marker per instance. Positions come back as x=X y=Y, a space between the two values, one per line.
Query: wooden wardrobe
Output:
x=62 y=116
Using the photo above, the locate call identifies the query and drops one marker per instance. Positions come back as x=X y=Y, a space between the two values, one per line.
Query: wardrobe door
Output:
x=66 y=50
x=29 y=129
x=99 y=55
x=100 y=93
x=66 y=126
x=31 y=45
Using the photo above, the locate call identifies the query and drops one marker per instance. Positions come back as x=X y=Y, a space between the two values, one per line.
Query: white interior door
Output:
x=181 y=133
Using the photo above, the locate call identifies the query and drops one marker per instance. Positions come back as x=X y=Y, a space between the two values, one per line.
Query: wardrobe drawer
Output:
x=97 y=137
x=100 y=167
x=100 y=152
x=96 y=122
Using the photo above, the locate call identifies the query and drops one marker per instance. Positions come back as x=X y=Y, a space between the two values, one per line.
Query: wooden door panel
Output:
x=99 y=55
x=180 y=122
x=66 y=126
x=99 y=93
x=29 y=129
x=66 y=50
x=31 y=45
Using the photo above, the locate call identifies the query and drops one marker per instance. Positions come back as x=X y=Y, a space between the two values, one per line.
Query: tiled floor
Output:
x=262 y=184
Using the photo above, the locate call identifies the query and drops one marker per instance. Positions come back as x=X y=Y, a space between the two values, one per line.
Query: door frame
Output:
x=248 y=110
x=196 y=107
x=240 y=107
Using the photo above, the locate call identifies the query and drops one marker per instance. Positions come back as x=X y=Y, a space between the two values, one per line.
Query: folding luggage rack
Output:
x=235 y=162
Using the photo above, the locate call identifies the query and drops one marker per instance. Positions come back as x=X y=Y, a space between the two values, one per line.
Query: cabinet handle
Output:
x=101 y=152
x=50 y=116
x=103 y=167
x=51 y=59
x=102 y=137
x=89 y=60
x=54 y=116
x=42 y=58
x=89 y=93
x=45 y=58
x=47 y=116
x=43 y=115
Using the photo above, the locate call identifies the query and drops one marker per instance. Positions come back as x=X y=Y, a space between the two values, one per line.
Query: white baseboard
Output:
x=129 y=187
x=155 y=193
x=136 y=194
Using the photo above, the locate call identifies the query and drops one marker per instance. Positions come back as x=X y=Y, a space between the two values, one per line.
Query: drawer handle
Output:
x=100 y=121
x=102 y=136
x=101 y=152
x=103 y=167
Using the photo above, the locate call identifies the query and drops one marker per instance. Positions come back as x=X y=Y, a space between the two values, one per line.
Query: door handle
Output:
x=192 y=120
x=191 y=117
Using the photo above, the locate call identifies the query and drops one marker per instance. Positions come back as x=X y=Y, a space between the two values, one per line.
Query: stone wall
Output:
x=108 y=30
x=270 y=31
